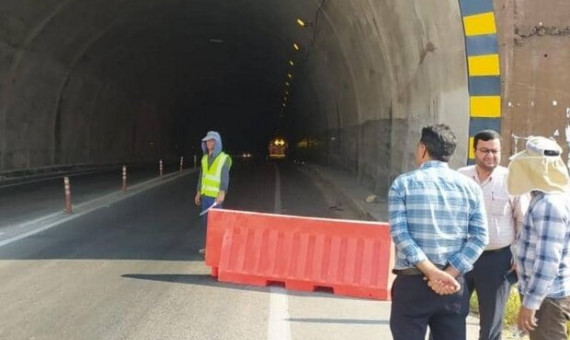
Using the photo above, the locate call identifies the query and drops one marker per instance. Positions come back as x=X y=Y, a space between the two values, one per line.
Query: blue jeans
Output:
x=206 y=203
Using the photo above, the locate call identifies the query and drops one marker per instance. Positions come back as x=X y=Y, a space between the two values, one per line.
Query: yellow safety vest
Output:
x=212 y=176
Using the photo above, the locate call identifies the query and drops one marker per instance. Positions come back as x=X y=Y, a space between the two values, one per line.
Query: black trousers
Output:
x=415 y=306
x=488 y=279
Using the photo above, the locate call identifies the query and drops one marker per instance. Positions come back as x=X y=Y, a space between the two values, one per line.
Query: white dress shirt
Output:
x=505 y=213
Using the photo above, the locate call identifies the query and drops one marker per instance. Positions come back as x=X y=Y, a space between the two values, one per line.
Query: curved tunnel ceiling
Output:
x=116 y=80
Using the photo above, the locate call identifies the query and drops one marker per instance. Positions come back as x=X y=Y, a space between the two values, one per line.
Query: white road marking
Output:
x=38 y=230
x=278 y=325
x=279 y=328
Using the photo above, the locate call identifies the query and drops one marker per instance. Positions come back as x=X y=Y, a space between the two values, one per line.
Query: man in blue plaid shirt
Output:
x=439 y=226
x=542 y=253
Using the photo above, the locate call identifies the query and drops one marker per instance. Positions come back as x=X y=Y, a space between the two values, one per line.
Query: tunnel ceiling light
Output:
x=289 y=75
x=287 y=83
x=287 y=92
x=216 y=41
x=285 y=99
x=291 y=63
x=300 y=22
x=296 y=47
x=284 y=104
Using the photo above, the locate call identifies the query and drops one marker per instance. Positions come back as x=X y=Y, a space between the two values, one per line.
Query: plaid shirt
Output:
x=543 y=249
x=438 y=214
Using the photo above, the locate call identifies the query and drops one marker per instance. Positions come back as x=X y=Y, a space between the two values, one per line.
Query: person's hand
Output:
x=220 y=198
x=444 y=288
x=442 y=282
x=197 y=199
x=526 y=320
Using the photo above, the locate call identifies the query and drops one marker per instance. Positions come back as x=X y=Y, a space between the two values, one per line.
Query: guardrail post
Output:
x=181 y=163
x=67 y=188
x=124 y=178
x=160 y=167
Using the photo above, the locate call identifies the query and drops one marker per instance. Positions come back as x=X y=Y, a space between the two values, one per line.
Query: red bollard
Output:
x=160 y=167
x=181 y=163
x=124 y=178
x=67 y=187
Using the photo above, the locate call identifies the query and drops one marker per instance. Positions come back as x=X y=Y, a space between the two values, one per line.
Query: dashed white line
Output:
x=278 y=325
x=279 y=328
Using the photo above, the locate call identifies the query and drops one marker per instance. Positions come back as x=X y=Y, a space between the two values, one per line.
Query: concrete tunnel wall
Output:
x=376 y=75
x=369 y=75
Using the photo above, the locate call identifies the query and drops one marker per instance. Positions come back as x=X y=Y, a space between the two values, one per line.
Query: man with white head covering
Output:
x=214 y=176
x=542 y=254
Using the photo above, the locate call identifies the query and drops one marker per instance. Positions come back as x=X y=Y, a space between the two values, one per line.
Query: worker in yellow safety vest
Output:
x=214 y=176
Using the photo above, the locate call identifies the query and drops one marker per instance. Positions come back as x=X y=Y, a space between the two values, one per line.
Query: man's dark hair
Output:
x=485 y=135
x=439 y=141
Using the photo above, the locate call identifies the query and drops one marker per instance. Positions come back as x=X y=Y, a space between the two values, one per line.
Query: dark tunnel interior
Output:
x=215 y=66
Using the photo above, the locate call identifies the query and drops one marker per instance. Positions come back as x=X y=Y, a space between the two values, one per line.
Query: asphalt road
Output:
x=34 y=198
x=130 y=268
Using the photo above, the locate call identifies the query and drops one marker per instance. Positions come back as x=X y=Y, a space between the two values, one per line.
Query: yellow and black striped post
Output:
x=482 y=50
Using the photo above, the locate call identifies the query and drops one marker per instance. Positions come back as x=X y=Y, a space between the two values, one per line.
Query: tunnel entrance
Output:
x=348 y=84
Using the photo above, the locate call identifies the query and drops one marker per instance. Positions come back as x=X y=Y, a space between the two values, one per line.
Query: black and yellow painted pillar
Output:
x=482 y=50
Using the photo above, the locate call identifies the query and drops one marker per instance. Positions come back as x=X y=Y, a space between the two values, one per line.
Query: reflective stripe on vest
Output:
x=212 y=177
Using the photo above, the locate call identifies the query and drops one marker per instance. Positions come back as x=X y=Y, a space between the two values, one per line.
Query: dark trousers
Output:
x=415 y=306
x=488 y=279
x=552 y=317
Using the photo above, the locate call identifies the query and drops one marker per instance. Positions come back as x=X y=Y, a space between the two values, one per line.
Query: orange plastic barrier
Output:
x=353 y=258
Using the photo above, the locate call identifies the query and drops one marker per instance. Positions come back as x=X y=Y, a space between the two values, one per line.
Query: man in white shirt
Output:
x=493 y=273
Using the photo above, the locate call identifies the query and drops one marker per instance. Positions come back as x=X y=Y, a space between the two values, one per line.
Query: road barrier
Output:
x=351 y=258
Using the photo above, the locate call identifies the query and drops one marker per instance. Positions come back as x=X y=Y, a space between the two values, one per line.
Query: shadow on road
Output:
x=208 y=280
